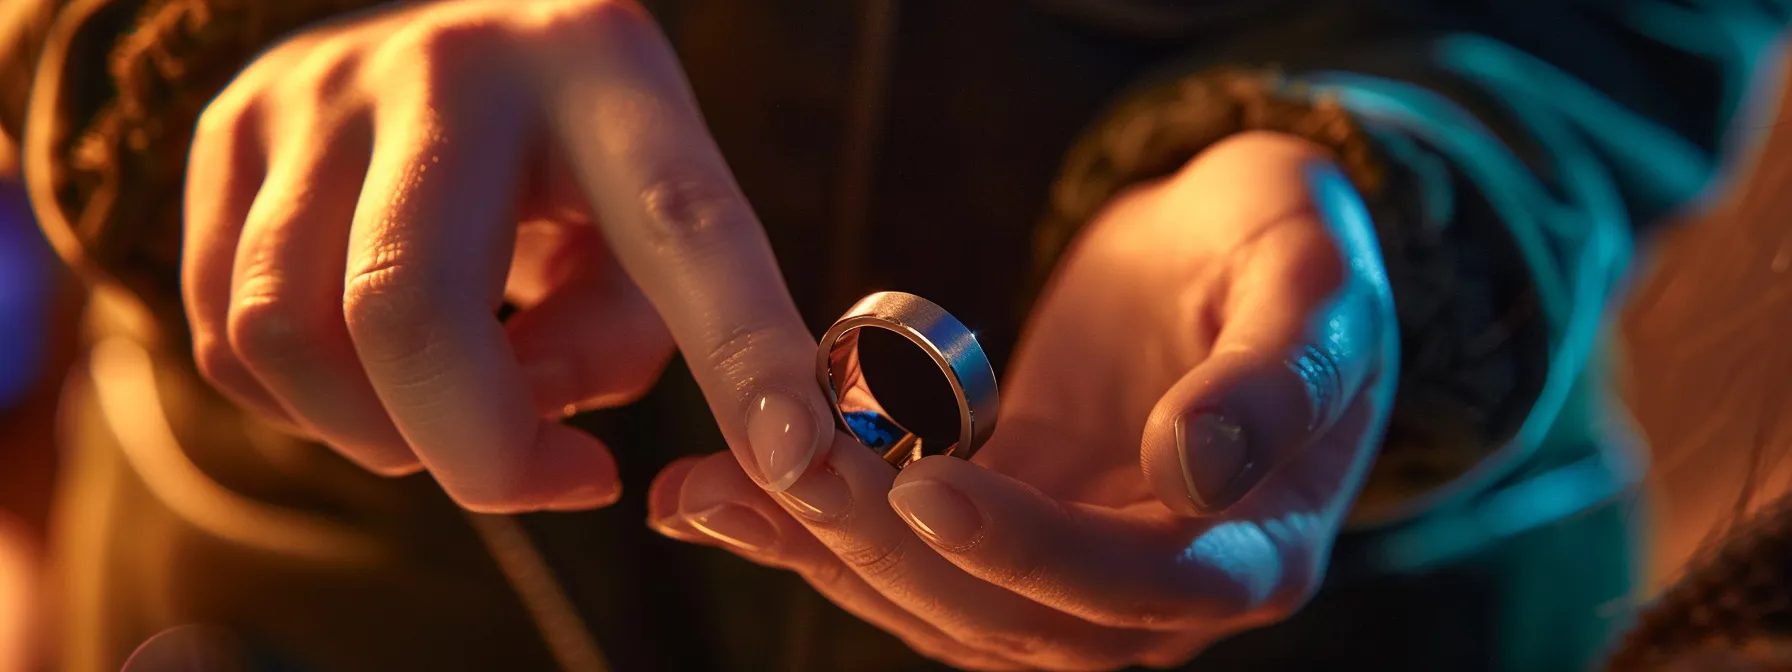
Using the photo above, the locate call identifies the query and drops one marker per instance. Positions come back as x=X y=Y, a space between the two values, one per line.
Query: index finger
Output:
x=681 y=228
x=428 y=255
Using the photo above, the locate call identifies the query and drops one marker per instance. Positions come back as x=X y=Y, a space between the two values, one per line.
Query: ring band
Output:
x=951 y=345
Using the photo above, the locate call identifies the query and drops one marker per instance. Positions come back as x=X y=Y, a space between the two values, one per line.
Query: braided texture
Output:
x=1734 y=604
x=1474 y=348
x=121 y=178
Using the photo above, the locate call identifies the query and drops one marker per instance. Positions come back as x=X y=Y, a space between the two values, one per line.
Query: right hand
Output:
x=353 y=205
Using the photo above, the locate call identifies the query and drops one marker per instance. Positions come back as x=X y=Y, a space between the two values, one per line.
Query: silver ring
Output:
x=952 y=346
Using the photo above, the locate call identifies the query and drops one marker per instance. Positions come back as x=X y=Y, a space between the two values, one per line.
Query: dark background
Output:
x=1706 y=332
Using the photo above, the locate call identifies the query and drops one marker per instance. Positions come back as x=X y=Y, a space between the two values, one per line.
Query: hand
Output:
x=352 y=226
x=1189 y=416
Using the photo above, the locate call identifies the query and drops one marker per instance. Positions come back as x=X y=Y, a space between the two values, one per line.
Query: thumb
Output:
x=1306 y=330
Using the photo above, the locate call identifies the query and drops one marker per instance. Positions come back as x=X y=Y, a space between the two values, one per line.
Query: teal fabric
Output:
x=1570 y=132
x=1577 y=250
x=1612 y=170
x=1614 y=167
x=1550 y=599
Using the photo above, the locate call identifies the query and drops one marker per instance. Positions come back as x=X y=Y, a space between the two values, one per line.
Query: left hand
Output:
x=1186 y=422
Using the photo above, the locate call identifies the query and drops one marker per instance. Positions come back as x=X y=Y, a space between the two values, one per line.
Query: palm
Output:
x=1241 y=298
x=1134 y=306
x=1128 y=313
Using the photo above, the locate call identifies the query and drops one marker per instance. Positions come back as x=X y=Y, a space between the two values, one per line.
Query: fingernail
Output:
x=939 y=513
x=1215 y=455
x=782 y=431
x=666 y=527
x=593 y=496
x=821 y=496
x=737 y=526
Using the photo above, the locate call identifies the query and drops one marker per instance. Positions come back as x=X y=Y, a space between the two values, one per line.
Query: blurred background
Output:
x=1709 y=374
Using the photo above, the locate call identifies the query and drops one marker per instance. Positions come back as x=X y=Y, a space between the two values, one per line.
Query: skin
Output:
x=1201 y=291
x=353 y=221
x=352 y=224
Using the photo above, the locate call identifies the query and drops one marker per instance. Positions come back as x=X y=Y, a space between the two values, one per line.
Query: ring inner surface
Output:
x=861 y=412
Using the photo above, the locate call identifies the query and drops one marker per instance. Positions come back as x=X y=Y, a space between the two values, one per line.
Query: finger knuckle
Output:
x=228 y=120
x=691 y=211
x=388 y=309
x=325 y=76
x=733 y=349
x=265 y=328
x=428 y=53
x=618 y=11
x=584 y=19
x=448 y=40
x=878 y=561
x=286 y=50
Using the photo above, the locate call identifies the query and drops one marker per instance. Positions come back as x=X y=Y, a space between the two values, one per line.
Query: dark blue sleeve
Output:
x=1643 y=101
x=1579 y=129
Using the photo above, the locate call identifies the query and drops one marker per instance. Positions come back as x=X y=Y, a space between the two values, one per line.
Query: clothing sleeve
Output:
x=1637 y=108
x=1575 y=140
x=1515 y=152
